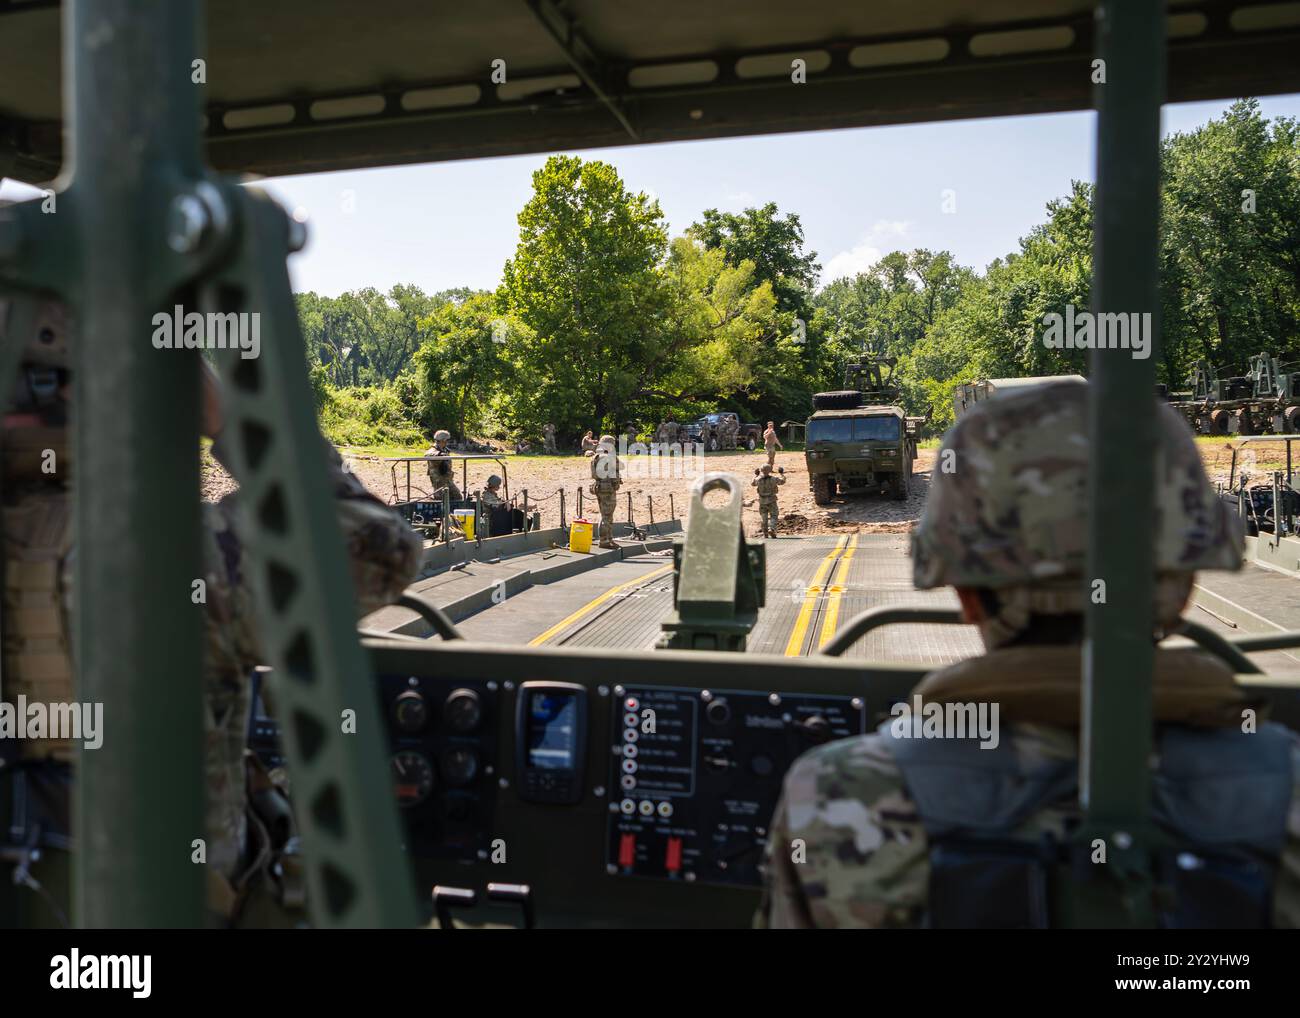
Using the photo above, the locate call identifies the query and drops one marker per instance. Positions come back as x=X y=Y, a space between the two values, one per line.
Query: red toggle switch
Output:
x=627 y=850
x=673 y=857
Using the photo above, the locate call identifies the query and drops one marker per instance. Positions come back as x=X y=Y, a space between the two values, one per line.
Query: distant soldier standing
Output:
x=604 y=485
x=588 y=444
x=441 y=473
x=771 y=443
x=768 y=511
x=548 y=439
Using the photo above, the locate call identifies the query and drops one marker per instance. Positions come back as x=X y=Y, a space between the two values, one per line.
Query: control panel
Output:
x=695 y=775
x=443 y=744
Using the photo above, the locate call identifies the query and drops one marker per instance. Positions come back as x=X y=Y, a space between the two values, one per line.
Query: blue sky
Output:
x=859 y=194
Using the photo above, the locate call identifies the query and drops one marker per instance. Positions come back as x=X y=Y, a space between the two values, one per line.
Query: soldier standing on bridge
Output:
x=604 y=485
x=441 y=473
x=768 y=510
x=771 y=443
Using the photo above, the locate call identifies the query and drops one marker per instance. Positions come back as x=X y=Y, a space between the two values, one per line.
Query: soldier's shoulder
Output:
x=862 y=847
x=861 y=768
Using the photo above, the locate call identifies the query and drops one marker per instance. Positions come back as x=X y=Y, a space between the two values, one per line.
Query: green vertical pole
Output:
x=134 y=117
x=1119 y=654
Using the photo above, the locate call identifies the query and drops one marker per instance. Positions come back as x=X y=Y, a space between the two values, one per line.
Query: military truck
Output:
x=858 y=439
x=1265 y=400
x=860 y=450
x=968 y=394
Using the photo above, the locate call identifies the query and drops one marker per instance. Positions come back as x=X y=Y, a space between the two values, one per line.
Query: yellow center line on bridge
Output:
x=811 y=595
x=831 y=616
x=592 y=605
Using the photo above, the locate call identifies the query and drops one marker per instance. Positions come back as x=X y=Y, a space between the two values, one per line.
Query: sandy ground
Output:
x=544 y=476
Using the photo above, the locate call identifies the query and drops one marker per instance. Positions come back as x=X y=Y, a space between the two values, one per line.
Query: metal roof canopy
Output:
x=301 y=87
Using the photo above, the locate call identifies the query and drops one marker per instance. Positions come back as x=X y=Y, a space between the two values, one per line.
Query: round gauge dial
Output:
x=463 y=710
x=459 y=766
x=412 y=777
x=411 y=712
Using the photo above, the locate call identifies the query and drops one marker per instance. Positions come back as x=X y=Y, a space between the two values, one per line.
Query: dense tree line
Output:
x=601 y=318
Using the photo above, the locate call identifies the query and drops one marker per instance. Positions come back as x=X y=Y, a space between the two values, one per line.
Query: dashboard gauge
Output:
x=412 y=777
x=463 y=711
x=459 y=766
x=411 y=712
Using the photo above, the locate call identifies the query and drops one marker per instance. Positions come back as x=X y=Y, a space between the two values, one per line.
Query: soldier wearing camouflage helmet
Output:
x=605 y=482
x=895 y=830
x=768 y=510
x=249 y=872
x=441 y=472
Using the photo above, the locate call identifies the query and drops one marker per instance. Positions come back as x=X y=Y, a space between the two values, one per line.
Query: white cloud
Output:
x=885 y=234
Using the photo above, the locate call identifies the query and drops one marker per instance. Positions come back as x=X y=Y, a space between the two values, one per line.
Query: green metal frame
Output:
x=1114 y=781
x=139 y=228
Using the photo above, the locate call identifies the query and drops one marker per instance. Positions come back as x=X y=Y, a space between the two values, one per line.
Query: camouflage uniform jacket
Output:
x=846 y=815
x=605 y=472
x=767 y=487
x=384 y=554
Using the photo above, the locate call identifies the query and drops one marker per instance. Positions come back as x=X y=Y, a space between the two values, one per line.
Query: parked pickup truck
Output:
x=709 y=431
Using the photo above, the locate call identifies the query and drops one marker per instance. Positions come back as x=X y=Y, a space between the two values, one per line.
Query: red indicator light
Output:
x=627 y=850
x=673 y=857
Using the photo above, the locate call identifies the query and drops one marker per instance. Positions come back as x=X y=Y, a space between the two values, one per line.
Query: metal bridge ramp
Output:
x=814 y=585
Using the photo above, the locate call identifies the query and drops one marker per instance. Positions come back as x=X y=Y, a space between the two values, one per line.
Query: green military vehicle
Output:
x=858 y=439
x=860 y=450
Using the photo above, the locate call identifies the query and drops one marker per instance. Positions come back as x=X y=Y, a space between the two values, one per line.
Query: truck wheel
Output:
x=822 y=487
x=1219 y=422
x=1292 y=419
x=1245 y=424
x=902 y=487
x=752 y=443
x=840 y=399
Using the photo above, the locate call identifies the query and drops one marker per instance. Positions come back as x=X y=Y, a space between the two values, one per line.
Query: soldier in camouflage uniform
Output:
x=441 y=472
x=605 y=482
x=727 y=431
x=849 y=844
x=37 y=545
x=768 y=511
x=491 y=494
x=548 y=439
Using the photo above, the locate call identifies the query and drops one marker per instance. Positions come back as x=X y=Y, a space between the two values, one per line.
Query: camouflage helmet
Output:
x=442 y=435
x=1013 y=509
x=493 y=481
x=607 y=440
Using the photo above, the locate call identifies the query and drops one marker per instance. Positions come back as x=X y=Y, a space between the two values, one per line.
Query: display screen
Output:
x=552 y=731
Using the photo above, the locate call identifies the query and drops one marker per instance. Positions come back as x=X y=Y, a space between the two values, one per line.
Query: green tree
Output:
x=585 y=279
x=464 y=365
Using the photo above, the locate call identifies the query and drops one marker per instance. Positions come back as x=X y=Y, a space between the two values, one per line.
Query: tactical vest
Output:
x=1220 y=798
x=604 y=473
x=37 y=531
